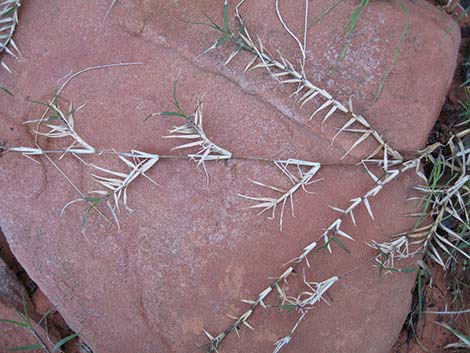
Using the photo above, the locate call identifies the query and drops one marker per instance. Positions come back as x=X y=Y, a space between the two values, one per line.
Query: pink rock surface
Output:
x=189 y=253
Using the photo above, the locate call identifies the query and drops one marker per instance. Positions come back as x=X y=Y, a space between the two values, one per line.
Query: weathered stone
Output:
x=189 y=253
x=7 y=256
x=11 y=291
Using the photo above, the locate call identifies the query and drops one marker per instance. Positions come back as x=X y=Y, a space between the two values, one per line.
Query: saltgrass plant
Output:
x=449 y=201
x=8 y=22
x=64 y=124
x=116 y=184
x=441 y=231
x=284 y=72
x=442 y=228
x=60 y=125
x=462 y=343
x=390 y=160
x=333 y=233
x=304 y=302
x=444 y=223
x=299 y=180
x=65 y=127
x=194 y=130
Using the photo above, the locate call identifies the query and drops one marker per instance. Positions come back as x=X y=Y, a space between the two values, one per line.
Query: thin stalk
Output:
x=40 y=340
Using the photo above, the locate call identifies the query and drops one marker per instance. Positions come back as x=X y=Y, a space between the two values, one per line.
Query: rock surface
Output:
x=189 y=253
x=7 y=256
x=11 y=290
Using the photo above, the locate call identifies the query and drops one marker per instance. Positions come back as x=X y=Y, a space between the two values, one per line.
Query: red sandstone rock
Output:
x=188 y=254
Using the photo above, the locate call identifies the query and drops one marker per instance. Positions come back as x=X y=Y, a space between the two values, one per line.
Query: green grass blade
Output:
x=420 y=295
x=25 y=310
x=436 y=174
x=45 y=316
x=408 y=270
x=340 y=244
x=6 y=91
x=13 y=322
x=396 y=54
x=464 y=339
x=359 y=9
x=175 y=99
x=324 y=13
x=213 y=24
x=30 y=347
x=222 y=41
x=63 y=341
x=172 y=114
x=460 y=18
x=226 y=21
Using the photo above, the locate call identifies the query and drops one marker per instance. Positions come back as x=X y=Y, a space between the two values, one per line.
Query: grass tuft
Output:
x=8 y=22
x=298 y=181
x=462 y=343
x=193 y=130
